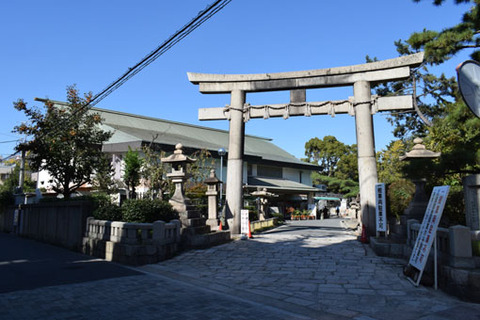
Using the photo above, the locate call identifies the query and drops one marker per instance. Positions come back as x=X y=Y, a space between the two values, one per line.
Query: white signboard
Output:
x=244 y=221
x=381 y=207
x=428 y=229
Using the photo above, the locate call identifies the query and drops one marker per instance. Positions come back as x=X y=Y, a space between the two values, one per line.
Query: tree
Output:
x=433 y=93
x=339 y=164
x=440 y=46
x=444 y=122
x=104 y=176
x=347 y=166
x=325 y=152
x=457 y=136
x=11 y=183
x=132 y=173
x=64 y=140
x=200 y=169
x=389 y=166
x=441 y=117
x=154 y=172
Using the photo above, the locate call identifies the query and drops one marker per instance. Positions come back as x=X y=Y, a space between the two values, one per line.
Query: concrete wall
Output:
x=6 y=220
x=62 y=223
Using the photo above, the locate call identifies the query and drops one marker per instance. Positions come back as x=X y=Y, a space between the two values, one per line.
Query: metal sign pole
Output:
x=435 y=261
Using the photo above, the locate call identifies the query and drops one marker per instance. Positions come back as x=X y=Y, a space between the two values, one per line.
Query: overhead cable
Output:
x=164 y=47
x=201 y=17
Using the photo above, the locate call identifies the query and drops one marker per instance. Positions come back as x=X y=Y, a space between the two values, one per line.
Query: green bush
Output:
x=454 y=212
x=147 y=210
x=108 y=211
x=399 y=195
x=279 y=216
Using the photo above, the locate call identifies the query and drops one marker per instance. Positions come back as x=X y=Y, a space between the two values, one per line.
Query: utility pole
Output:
x=21 y=177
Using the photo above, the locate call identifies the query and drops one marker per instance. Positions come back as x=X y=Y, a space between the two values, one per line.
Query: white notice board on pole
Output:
x=380 y=209
x=244 y=221
x=428 y=229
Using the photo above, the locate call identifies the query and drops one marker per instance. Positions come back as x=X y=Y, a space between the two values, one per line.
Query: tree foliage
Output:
x=154 y=172
x=339 y=164
x=325 y=152
x=441 y=117
x=389 y=166
x=433 y=93
x=132 y=172
x=348 y=188
x=440 y=46
x=63 y=140
x=11 y=183
x=347 y=166
x=103 y=180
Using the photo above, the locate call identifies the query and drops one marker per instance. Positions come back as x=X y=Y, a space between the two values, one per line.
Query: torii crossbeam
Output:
x=362 y=106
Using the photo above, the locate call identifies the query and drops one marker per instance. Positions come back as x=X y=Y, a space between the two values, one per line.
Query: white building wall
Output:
x=245 y=172
x=118 y=166
x=294 y=175
x=291 y=174
x=307 y=177
x=45 y=180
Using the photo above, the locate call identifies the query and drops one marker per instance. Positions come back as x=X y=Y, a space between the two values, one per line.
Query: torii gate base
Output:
x=362 y=106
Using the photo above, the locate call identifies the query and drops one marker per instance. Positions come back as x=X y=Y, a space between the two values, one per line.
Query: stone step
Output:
x=193 y=222
x=193 y=231
x=209 y=239
x=189 y=214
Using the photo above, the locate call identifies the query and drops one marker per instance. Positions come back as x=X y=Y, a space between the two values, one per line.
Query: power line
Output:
x=10 y=141
x=164 y=47
x=201 y=17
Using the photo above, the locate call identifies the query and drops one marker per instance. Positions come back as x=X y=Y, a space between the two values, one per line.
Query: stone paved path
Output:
x=306 y=270
x=315 y=269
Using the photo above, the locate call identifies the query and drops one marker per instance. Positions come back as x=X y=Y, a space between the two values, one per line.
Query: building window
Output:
x=270 y=172
x=300 y=177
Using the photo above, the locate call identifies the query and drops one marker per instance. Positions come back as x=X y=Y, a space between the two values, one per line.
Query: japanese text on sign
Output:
x=428 y=229
x=381 y=213
x=244 y=221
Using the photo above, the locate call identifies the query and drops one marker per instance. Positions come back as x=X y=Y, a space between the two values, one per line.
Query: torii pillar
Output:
x=362 y=106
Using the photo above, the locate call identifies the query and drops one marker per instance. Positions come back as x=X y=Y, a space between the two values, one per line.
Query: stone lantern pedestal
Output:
x=263 y=197
x=195 y=232
x=212 y=187
x=418 y=204
x=188 y=215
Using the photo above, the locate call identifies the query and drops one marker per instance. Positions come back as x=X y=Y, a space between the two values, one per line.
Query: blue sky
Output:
x=50 y=44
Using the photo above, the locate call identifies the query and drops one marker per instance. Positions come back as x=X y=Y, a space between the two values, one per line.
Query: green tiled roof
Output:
x=134 y=129
x=276 y=184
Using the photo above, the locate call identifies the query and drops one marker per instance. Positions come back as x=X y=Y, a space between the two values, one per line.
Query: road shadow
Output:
x=26 y=264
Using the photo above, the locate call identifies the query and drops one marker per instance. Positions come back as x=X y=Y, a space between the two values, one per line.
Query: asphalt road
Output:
x=27 y=264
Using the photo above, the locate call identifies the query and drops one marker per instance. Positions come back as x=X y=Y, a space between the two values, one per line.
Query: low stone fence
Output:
x=131 y=243
x=263 y=224
x=443 y=240
x=458 y=268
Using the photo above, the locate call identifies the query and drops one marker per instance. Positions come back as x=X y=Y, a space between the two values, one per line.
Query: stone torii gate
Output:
x=362 y=105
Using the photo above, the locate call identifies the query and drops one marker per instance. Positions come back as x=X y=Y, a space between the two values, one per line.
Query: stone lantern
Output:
x=179 y=175
x=212 y=191
x=419 y=203
x=263 y=197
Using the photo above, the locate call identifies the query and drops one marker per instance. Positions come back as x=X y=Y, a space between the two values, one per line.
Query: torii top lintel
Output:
x=379 y=71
